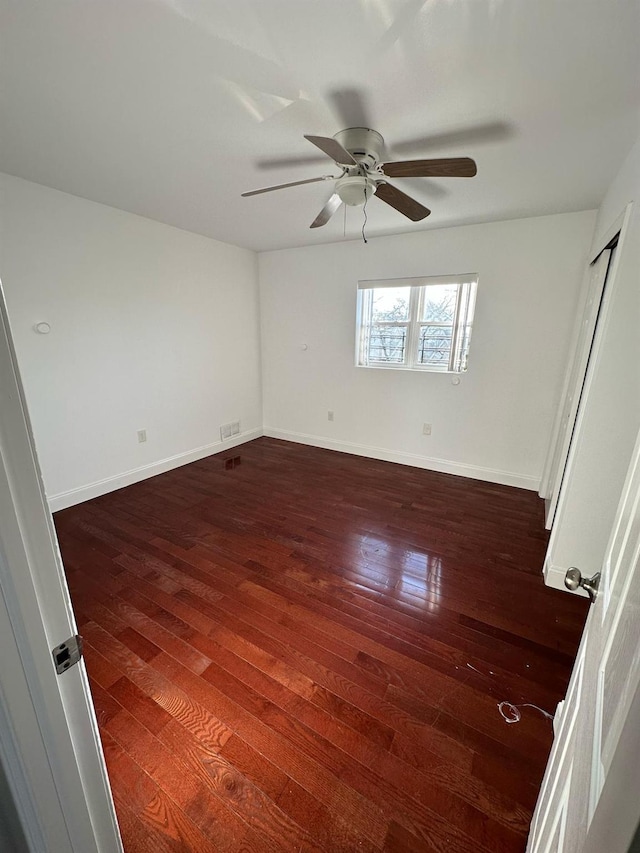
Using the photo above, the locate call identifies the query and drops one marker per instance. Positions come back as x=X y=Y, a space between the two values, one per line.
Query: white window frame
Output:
x=463 y=319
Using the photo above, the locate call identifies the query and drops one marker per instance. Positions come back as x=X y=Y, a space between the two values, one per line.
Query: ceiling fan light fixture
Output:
x=354 y=190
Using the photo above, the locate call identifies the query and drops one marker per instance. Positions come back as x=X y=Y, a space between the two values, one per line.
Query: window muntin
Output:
x=416 y=324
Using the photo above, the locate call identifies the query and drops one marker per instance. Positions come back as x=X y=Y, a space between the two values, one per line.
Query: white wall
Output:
x=152 y=328
x=495 y=424
x=157 y=328
x=610 y=416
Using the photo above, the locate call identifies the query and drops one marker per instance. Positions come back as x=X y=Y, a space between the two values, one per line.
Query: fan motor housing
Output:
x=364 y=145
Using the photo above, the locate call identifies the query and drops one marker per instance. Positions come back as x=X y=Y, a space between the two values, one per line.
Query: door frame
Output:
x=547 y=479
x=49 y=740
x=598 y=245
x=554 y=574
x=574 y=382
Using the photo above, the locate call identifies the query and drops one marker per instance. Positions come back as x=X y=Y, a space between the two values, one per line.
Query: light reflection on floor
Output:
x=400 y=570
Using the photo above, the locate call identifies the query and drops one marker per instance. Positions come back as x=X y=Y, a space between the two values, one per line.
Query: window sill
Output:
x=412 y=369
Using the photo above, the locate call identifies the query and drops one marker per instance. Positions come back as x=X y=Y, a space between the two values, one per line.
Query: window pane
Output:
x=434 y=345
x=387 y=344
x=439 y=303
x=390 y=304
x=464 y=349
x=422 y=326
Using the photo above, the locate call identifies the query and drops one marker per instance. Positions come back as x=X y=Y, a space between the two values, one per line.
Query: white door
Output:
x=589 y=799
x=559 y=451
x=49 y=742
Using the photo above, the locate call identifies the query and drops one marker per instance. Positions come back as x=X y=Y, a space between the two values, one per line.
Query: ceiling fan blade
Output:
x=284 y=186
x=332 y=149
x=448 y=167
x=402 y=202
x=327 y=211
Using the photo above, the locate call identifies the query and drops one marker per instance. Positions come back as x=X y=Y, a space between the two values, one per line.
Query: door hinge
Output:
x=67 y=654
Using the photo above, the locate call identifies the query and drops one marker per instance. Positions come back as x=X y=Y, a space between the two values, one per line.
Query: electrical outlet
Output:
x=426 y=429
x=329 y=416
x=142 y=435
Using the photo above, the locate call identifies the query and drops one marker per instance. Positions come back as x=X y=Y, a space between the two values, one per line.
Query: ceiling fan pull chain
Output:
x=364 y=214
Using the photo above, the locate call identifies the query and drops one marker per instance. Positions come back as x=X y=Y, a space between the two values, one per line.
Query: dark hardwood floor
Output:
x=305 y=652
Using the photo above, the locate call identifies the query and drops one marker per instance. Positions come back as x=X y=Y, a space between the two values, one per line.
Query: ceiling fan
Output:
x=358 y=152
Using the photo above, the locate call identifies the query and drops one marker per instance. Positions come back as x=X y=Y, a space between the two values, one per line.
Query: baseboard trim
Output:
x=444 y=466
x=93 y=490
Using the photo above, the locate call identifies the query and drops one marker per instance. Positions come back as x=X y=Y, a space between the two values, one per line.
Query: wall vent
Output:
x=227 y=430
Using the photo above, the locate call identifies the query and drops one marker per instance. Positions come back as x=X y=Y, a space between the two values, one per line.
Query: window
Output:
x=416 y=323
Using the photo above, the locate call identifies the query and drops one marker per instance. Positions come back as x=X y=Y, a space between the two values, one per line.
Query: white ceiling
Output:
x=171 y=108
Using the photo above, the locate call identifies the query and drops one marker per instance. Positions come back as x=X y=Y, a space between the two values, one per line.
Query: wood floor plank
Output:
x=361 y=744
x=180 y=809
x=305 y=652
x=324 y=784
